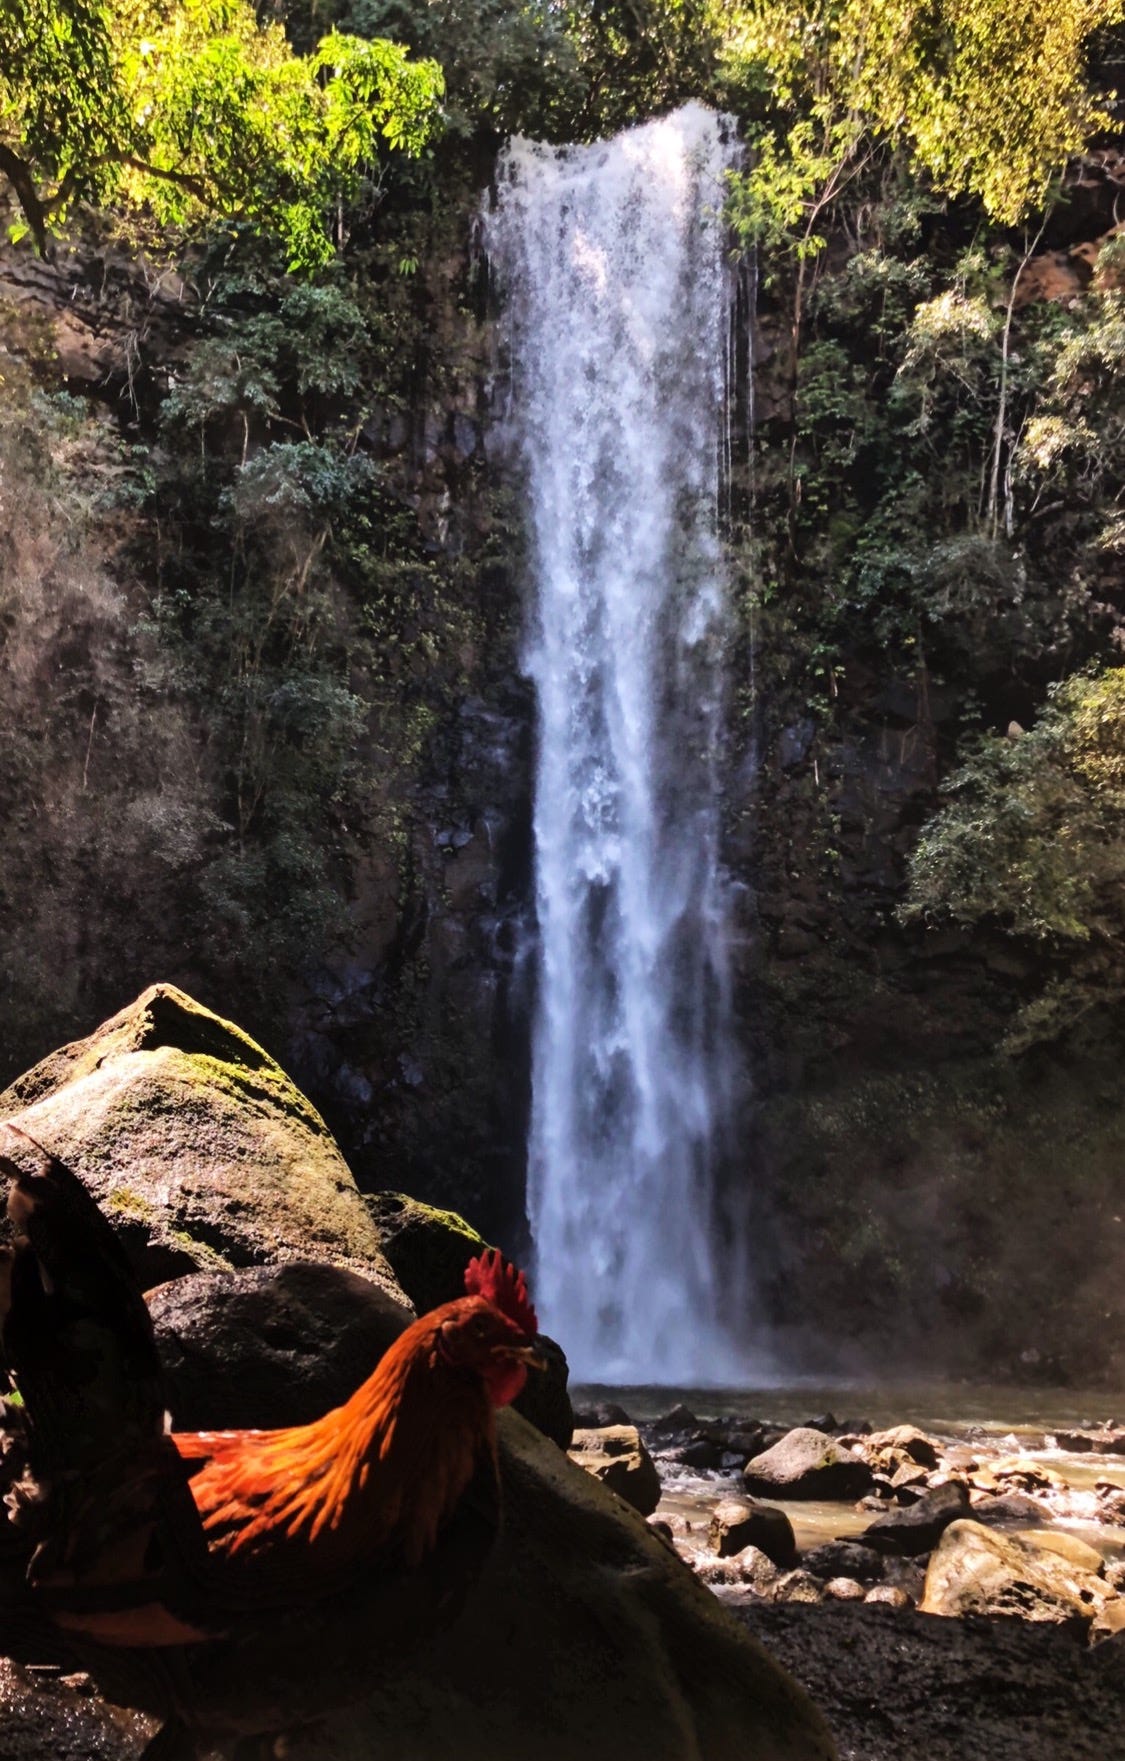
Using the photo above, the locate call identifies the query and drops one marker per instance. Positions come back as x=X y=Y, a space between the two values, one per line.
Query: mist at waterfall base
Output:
x=611 y=262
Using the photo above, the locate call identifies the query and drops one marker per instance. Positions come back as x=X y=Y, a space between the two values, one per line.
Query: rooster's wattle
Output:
x=182 y=1568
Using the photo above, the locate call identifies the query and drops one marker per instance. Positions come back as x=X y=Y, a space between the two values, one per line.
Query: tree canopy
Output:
x=988 y=97
x=1032 y=838
x=191 y=107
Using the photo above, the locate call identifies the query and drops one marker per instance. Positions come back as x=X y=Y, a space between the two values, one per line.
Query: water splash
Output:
x=611 y=257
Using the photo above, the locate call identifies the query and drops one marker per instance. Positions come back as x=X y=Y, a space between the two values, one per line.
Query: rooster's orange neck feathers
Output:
x=390 y=1464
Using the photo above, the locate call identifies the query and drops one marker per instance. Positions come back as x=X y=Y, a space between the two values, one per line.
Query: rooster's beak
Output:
x=521 y=1354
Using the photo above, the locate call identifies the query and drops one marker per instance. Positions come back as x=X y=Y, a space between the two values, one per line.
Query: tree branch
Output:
x=1002 y=401
x=186 y=180
x=18 y=173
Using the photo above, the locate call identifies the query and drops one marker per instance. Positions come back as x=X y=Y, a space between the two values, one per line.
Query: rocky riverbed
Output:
x=958 y=1593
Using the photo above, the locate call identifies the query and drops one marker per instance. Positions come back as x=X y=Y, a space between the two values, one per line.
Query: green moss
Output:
x=124 y=1202
x=206 y=1257
x=268 y=1086
x=427 y=1248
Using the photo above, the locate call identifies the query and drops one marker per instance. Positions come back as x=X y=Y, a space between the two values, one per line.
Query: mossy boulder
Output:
x=196 y=1145
x=426 y=1248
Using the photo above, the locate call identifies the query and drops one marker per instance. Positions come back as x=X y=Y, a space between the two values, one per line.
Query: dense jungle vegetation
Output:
x=254 y=566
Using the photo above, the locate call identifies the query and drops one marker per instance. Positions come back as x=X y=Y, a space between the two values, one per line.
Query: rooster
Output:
x=178 y=1564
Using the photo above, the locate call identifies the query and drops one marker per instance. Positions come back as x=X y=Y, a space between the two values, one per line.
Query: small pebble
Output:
x=844 y=1590
x=890 y=1595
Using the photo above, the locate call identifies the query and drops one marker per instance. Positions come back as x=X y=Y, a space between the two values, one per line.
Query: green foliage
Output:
x=507 y=67
x=191 y=109
x=882 y=509
x=559 y=70
x=1075 y=442
x=990 y=97
x=298 y=612
x=1032 y=838
x=104 y=803
x=262 y=650
x=640 y=57
x=309 y=346
x=61 y=114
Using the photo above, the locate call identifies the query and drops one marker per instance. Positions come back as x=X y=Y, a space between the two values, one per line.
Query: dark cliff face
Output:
x=415 y=1043
x=933 y=1189
x=921 y=1197
x=925 y=1200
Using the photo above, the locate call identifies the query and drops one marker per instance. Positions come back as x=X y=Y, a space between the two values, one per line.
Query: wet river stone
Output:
x=844 y=1590
x=917 y=1528
x=740 y=1522
x=884 y=1448
x=845 y=1559
x=807 y=1464
x=975 y=1570
x=616 y=1456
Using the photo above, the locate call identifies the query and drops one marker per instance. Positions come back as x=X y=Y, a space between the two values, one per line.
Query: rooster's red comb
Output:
x=503 y=1286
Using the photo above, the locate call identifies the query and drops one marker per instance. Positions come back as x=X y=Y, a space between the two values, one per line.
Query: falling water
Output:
x=611 y=258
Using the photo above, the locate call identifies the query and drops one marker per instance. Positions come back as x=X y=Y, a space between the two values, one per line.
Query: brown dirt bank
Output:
x=893 y=1685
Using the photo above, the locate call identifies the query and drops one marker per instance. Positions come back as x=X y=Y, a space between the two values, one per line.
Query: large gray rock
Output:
x=269 y=1345
x=426 y=1248
x=975 y=1570
x=587 y=1638
x=196 y=1145
x=585 y=1635
x=545 y=1400
x=807 y=1464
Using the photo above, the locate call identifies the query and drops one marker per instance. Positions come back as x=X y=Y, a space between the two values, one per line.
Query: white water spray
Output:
x=611 y=257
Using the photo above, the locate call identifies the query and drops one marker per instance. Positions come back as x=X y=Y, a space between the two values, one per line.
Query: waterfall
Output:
x=611 y=260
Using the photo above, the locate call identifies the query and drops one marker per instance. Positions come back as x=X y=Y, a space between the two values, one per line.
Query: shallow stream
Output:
x=1001 y=1422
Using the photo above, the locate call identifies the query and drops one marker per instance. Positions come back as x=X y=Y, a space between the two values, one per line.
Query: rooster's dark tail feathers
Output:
x=74 y=1328
x=109 y=1513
